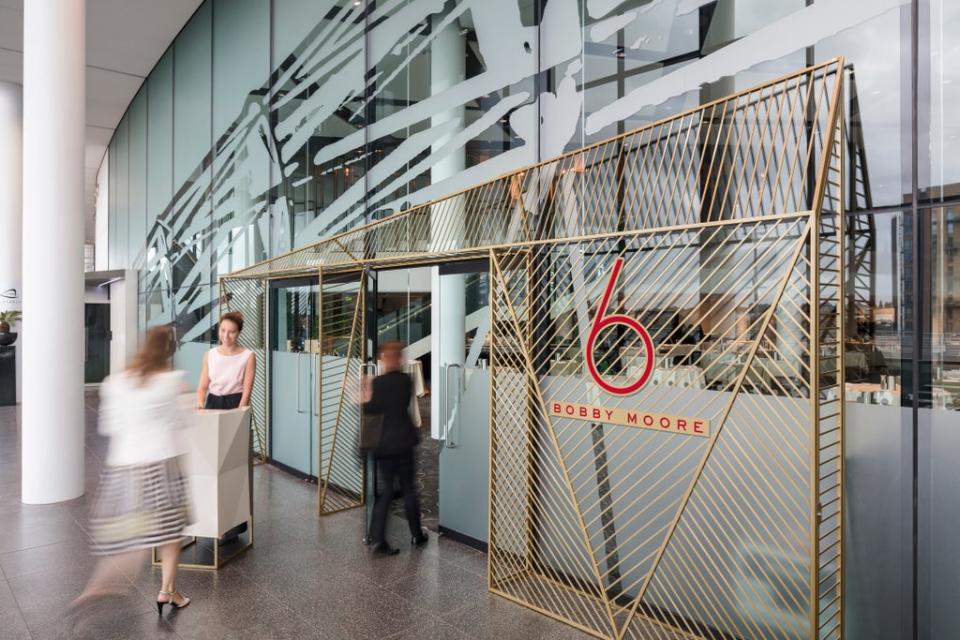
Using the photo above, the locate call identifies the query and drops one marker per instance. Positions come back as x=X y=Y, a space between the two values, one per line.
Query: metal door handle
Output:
x=299 y=355
x=315 y=364
x=449 y=421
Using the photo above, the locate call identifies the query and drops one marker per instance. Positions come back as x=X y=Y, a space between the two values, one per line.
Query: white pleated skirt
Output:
x=139 y=507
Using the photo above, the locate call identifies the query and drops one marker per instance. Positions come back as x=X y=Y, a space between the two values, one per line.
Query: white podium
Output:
x=219 y=469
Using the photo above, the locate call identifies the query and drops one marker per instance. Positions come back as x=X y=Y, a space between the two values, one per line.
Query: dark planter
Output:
x=8 y=338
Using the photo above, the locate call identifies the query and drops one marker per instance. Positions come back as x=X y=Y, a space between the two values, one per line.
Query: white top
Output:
x=143 y=421
x=226 y=372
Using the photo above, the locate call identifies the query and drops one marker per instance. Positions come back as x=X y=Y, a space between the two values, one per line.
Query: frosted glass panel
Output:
x=319 y=116
x=189 y=358
x=155 y=272
x=241 y=58
x=241 y=125
x=193 y=310
x=122 y=193
x=157 y=307
x=294 y=21
x=191 y=96
x=191 y=149
x=878 y=567
x=112 y=203
x=137 y=179
x=160 y=138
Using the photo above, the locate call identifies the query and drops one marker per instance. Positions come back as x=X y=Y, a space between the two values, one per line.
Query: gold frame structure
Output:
x=342 y=482
x=666 y=379
x=218 y=561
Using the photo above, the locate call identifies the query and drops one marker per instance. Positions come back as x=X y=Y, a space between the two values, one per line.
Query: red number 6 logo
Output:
x=601 y=322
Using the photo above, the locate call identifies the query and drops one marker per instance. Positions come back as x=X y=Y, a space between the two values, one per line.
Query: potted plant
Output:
x=6 y=319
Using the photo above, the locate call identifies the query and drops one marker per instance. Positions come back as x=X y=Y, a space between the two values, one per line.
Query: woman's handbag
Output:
x=371 y=430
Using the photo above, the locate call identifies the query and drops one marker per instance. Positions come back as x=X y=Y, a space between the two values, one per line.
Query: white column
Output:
x=54 y=61
x=448 y=293
x=11 y=205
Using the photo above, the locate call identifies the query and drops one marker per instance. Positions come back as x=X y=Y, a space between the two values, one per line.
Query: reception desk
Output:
x=219 y=468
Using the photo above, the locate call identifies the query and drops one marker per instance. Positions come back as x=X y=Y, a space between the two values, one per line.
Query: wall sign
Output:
x=627 y=417
x=10 y=299
x=682 y=425
x=602 y=321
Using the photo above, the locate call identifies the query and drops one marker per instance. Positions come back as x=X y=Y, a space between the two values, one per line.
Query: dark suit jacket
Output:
x=391 y=398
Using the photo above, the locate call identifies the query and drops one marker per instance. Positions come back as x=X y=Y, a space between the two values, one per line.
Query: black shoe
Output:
x=384 y=549
x=184 y=601
x=420 y=540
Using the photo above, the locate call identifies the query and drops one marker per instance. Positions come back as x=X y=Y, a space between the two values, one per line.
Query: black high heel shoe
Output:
x=420 y=540
x=172 y=602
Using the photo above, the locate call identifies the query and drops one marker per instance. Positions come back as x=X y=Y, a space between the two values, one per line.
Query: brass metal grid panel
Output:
x=752 y=154
x=250 y=299
x=829 y=407
x=626 y=486
x=536 y=548
x=341 y=479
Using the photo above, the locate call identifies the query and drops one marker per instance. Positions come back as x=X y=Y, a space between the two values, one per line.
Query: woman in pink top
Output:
x=226 y=378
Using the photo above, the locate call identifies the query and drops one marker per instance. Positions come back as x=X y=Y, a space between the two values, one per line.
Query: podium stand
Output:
x=219 y=468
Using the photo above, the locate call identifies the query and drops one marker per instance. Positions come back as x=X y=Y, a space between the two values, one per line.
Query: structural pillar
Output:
x=448 y=293
x=11 y=205
x=54 y=67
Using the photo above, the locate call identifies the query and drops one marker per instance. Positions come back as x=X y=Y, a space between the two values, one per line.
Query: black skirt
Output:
x=231 y=401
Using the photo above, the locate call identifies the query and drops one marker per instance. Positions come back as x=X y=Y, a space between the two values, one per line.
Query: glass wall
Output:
x=270 y=124
x=879 y=446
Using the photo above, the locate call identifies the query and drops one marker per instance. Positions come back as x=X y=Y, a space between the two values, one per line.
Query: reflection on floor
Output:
x=304 y=578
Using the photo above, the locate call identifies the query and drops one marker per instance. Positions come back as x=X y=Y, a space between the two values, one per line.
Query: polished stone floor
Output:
x=305 y=577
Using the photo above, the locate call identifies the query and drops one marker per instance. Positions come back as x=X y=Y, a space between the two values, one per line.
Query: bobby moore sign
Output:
x=631 y=418
x=640 y=419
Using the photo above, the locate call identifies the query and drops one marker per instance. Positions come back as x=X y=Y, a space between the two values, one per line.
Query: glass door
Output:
x=399 y=310
x=461 y=321
x=96 y=365
x=441 y=316
x=294 y=346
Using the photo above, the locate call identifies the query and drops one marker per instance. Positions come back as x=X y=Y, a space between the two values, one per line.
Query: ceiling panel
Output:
x=108 y=95
x=125 y=38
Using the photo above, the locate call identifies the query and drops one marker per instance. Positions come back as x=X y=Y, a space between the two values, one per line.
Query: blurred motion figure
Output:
x=390 y=395
x=142 y=501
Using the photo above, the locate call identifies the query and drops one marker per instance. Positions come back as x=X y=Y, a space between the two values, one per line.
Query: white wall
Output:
x=96 y=295
x=123 y=321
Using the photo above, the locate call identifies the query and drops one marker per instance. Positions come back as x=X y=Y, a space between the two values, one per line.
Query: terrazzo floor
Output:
x=305 y=577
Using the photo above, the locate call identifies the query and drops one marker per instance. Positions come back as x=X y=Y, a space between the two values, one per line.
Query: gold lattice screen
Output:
x=666 y=417
x=666 y=366
x=342 y=336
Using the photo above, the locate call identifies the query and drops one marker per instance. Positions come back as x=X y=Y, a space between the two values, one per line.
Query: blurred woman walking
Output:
x=142 y=501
